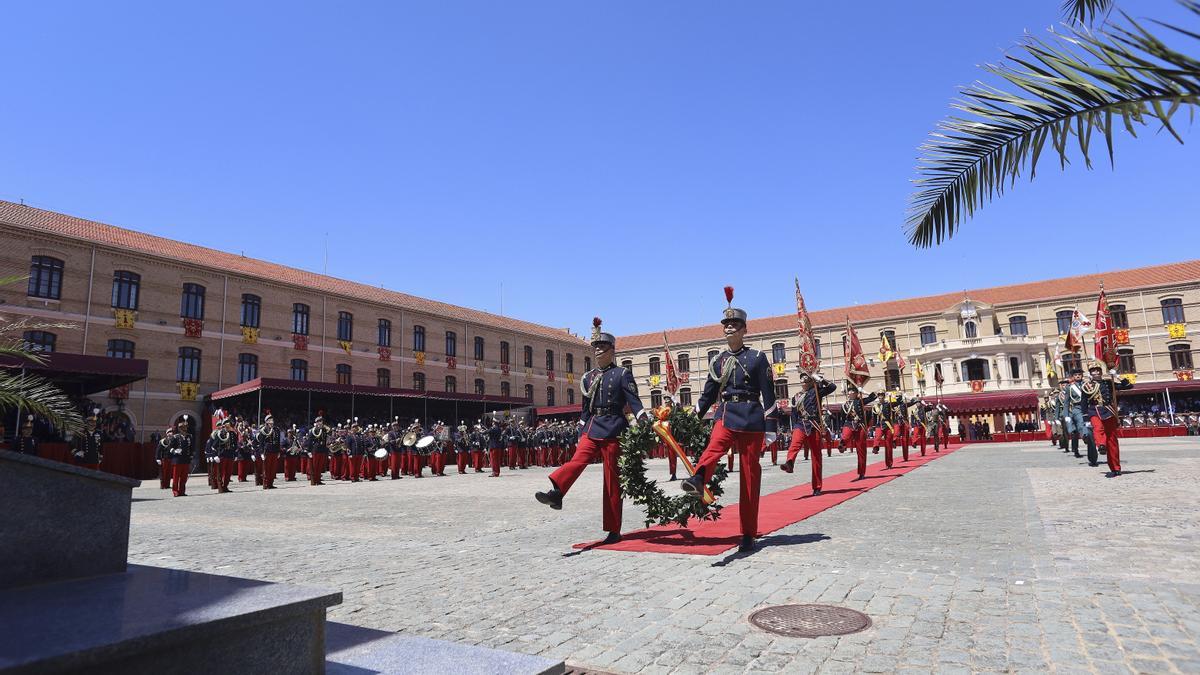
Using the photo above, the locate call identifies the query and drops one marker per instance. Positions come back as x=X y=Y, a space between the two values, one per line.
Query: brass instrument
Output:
x=409 y=439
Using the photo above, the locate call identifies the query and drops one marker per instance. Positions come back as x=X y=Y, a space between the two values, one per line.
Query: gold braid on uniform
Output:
x=636 y=443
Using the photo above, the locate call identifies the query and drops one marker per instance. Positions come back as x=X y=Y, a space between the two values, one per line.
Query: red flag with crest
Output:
x=856 y=362
x=672 y=378
x=1106 y=337
x=809 y=362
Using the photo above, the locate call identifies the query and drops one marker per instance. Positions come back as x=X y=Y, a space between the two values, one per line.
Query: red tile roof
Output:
x=1034 y=291
x=89 y=231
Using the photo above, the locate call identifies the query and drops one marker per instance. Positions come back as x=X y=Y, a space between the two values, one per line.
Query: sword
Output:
x=662 y=427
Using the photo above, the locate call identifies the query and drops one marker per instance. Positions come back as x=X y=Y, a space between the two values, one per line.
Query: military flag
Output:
x=1106 y=338
x=856 y=362
x=672 y=378
x=809 y=362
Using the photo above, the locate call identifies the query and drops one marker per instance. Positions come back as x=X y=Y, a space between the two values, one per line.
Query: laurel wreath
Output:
x=636 y=443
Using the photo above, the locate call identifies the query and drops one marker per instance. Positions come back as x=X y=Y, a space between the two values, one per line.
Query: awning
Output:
x=82 y=374
x=575 y=409
x=1159 y=386
x=990 y=402
x=274 y=384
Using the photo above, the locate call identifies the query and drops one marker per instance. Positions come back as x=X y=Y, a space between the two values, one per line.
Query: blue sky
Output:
x=626 y=159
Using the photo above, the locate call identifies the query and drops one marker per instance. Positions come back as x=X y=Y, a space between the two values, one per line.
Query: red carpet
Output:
x=775 y=511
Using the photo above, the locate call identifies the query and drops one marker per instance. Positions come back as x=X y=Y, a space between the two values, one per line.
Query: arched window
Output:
x=385 y=333
x=928 y=335
x=344 y=374
x=345 y=327
x=528 y=356
x=451 y=384
x=247 y=367
x=817 y=347
x=40 y=341
x=891 y=338
x=505 y=389
x=479 y=353
x=120 y=349
x=504 y=355
x=418 y=381
x=191 y=304
x=1126 y=363
x=655 y=365
x=712 y=354
x=570 y=363
x=1120 y=319
x=781 y=389
x=549 y=359
x=1014 y=367
x=1063 y=319
x=970 y=330
x=187 y=369
x=684 y=362
x=251 y=310
x=570 y=396
x=418 y=338
x=685 y=396
x=300 y=319
x=1181 y=356
x=975 y=369
x=529 y=392
x=383 y=378
x=1172 y=310
x=587 y=363
x=627 y=364
x=45 y=277
x=550 y=396
x=125 y=289
x=480 y=388
x=655 y=398
x=299 y=370
x=1017 y=325
x=451 y=344
x=778 y=353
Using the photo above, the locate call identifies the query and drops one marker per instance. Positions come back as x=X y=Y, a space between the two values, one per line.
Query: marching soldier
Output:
x=85 y=447
x=212 y=460
x=900 y=420
x=607 y=390
x=291 y=460
x=806 y=425
x=162 y=457
x=1062 y=415
x=854 y=429
x=462 y=446
x=1077 y=412
x=316 y=444
x=245 y=451
x=181 y=457
x=224 y=444
x=1102 y=407
x=268 y=451
x=354 y=452
x=883 y=432
x=742 y=387
x=495 y=444
x=395 y=450
x=918 y=421
x=478 y=442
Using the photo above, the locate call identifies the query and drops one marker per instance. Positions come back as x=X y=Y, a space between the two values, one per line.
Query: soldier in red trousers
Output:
x=607 y=391
x=854 y=430
x=806 y=429
x=741 y=385
x=1102 y=406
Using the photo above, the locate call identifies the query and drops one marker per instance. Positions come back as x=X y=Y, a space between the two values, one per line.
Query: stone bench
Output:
x=352 y=650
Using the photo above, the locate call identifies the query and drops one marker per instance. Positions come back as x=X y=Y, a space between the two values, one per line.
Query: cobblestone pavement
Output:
x=1000 y=557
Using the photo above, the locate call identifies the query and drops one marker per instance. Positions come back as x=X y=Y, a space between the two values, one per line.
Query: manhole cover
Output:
x=809 y=620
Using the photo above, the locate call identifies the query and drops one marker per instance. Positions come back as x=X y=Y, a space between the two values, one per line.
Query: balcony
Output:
x=988 y=344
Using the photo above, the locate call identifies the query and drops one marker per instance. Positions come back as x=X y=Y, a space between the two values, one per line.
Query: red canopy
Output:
x=990 y=402
x=270 y=383
x=82 y=373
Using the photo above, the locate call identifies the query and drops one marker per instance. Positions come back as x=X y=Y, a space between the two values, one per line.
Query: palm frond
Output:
x=1067 y=89
x=31 y=323
x=38 y=396
x=1083 y=11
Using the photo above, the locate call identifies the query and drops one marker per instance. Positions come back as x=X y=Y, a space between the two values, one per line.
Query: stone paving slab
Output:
x=998 y=558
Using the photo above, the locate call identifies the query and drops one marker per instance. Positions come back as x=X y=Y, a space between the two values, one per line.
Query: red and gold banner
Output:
x=451 y=363
x=856 y=362
x=193 y=328
x=300 y=342
x=808 y=361
x=1106 y=342
x=672 y=378
x=420 y=357
x=1121 y=335
x=385 y=354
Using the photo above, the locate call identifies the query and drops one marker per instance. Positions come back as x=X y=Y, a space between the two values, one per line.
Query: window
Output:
x=451 y=384
x=1181 y=356
x=418 y=381
x=570 y=396
x=1125 y=361
x=300 y=319
x=529 y=391
x=345 y=327
x=655 y=398
x=570 y=363
x=418 y=338
x=928 y=335
x=655 y=365
x=1014 y=367
x=40 y=341
x=712 y=354
x=344 y=374
x=479 y=353
x=120 y=349
x=549 y=395
x=504 y=353
x=817 y=348
x=528 y=356
x=506 y=389
x=1063 y=319
x=1070 y=362
x=1172 y=309
x=549 y=359
x=1120 y=319
x=778 y=353
x=973 y=369
x=45 y=277
x=188 y=367
x=685 y=363
x=781 y=389
x=251 y=310
x=479 y=387
x=970 y=330
x=247 y=367
x=891 y=377
x=191 y=304
x=1017 y=325
x=299 y=370
x=451 y=344
x=587 y=363
x=125 y=289
x=627 y=364
x=685 y=396
x=385 y=333
x=891 y=338
x=383 y=378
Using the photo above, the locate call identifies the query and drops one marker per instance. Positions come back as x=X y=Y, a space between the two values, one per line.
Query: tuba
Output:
x=409 y=440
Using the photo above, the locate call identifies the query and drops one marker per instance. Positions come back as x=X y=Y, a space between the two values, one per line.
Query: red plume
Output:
x=596 y=321
x=729 y=294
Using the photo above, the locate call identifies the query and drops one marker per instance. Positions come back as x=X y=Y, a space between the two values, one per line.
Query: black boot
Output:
x=747 y=544
x=612 y=538
x=551 y=498
x=693 y=485
x=786 y=467
x=673 y=479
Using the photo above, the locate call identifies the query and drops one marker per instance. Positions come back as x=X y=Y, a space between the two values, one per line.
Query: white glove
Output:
x=1113 y=372
x=643 y=413
x=158 y=461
